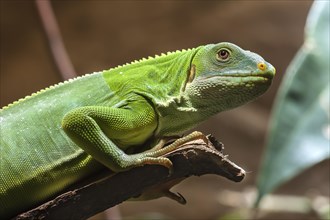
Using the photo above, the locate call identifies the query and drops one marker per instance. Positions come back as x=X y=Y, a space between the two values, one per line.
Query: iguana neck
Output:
x=158 y=84
x=180 y=110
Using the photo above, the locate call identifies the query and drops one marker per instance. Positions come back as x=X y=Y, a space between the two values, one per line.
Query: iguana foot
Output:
x=176 y=144
x=144 y=160
x=164 y=141
x=156 y=155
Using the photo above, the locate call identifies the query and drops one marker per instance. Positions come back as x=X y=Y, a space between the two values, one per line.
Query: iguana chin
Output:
x=68 y=131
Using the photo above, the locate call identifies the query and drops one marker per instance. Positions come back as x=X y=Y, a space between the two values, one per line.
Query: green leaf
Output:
x=299 y=132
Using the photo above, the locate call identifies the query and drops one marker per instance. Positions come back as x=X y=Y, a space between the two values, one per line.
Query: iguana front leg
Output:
x=100 y=130
x=104 y=132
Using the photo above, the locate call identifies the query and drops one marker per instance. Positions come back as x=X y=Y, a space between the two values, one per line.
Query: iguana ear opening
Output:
x=190 y=76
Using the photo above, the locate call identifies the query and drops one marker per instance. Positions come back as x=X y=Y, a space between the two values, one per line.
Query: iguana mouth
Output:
x=267 y=75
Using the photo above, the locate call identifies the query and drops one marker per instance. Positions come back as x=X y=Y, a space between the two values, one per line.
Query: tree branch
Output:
x=198 y=157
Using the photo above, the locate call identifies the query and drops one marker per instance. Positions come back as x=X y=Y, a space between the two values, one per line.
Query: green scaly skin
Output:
x=64 y=133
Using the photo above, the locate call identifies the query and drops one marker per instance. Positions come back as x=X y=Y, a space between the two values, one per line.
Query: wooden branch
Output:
x=193 y=158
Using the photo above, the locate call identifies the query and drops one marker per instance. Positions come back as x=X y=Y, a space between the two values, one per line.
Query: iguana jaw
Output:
x=237 y=77
x=215 y=93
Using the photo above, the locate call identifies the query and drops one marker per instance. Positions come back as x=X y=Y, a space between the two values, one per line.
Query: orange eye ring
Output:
x=262 y=66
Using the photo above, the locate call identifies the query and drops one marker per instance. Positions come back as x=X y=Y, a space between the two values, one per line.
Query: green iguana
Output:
x=61 y=134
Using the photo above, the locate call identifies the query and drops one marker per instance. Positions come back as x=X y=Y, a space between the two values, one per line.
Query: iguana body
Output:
x=64 y=133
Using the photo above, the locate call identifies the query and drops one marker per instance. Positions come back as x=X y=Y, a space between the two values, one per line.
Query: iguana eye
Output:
x=223 y=55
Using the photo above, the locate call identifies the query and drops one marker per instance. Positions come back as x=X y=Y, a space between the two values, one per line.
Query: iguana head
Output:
x=223 y=76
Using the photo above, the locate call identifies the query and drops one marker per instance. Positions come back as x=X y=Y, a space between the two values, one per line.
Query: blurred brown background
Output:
x=102 y=34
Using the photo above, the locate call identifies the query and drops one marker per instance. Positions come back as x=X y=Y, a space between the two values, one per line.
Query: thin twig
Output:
x=56 y=44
